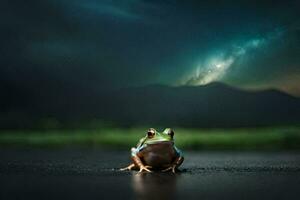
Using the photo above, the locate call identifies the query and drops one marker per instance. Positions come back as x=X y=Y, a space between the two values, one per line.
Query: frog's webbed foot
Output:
x=129 y=167
x=173 y=168
x=134 y=167
x=145 y=168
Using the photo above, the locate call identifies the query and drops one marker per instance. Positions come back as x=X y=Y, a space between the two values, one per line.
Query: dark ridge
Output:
x=213 y=105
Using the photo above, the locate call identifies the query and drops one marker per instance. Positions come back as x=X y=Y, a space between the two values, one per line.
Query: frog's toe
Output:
x=172 y=168
x=145 y=168
x=129 y=167
x=167 y=169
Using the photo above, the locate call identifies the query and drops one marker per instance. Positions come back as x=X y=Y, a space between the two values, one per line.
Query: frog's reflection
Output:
x=154 y=185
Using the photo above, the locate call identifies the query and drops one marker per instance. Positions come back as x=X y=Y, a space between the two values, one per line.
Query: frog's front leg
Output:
x=136 y=158
x=176 y=163
x=137 y=163
x=132 y=166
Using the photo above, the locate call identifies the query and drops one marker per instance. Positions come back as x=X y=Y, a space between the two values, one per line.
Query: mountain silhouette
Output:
x=212 y=105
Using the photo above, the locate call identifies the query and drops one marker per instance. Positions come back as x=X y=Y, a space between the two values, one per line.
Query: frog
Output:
x=156 y=152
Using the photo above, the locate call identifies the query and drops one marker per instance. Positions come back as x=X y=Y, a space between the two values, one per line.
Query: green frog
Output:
x=156 y=151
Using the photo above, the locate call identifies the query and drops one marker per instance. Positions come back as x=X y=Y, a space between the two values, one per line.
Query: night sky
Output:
x=109 y=44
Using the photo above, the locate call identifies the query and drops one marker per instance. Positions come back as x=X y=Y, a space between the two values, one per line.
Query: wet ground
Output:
x=93 y=174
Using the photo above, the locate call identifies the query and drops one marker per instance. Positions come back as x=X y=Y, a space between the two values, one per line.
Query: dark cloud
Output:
x=103 y=44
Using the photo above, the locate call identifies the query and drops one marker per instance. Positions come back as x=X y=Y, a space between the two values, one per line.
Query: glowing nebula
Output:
x=218 y=65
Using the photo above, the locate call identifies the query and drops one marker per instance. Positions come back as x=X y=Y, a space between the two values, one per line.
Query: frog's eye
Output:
x=169 y=132
x=151 y=133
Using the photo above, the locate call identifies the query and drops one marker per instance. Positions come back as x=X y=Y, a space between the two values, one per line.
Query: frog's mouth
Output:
x=167 y=142
x=160 y=141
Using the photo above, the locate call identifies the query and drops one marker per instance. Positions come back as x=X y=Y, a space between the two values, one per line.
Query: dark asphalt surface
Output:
x=93 y=174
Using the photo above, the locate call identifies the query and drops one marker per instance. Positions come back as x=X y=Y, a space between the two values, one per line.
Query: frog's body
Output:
x=159 y=155
x=156 y=151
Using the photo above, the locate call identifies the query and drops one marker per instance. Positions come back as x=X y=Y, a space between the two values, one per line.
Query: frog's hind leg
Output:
x=174 y=167
x=129 y=167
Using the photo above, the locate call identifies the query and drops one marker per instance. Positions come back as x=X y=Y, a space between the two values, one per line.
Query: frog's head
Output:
x=154 y=137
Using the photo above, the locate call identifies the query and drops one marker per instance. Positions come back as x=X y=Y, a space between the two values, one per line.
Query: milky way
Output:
x=217 y=66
